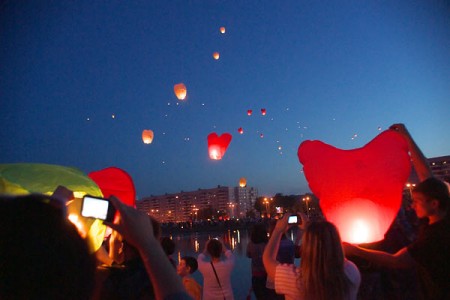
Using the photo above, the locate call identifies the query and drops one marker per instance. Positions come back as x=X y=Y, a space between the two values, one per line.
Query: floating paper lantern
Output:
x=263 y=111
x=216 y=55
x=180 y=91
x=117 y=182
x=217 y=145
x=222 y=30
x=249 y=112
x=147 y=136
x=242 y=182
x=240 y=130
x=360 y=190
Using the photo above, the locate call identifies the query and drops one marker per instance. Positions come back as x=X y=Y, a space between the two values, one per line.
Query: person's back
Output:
x=42 y=255
x=255 y=250
x=212 y=289
x=286 y=252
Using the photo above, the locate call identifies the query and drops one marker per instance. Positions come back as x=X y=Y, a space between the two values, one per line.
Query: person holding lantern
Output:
x=430 y=253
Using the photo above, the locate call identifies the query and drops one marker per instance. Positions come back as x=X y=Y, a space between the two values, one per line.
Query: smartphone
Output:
x=294 y=220
x=98 y=208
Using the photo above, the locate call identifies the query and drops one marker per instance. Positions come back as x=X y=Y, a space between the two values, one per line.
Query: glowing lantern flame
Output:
x=242 y=182
x=78 y=224
x=180 y=91
x=222 y=30
x=263 y=111
x=249 y=112
x=240 y=130
x=217 y=145
x=360 y=190
x=147 y=136
x=216 y=55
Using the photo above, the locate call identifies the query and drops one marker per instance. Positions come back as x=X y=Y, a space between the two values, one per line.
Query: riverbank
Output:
x=209 y=226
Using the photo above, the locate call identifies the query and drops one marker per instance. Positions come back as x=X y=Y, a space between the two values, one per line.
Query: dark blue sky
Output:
x=324 y=70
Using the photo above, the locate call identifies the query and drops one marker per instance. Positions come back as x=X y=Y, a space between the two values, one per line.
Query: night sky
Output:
x=80 y=80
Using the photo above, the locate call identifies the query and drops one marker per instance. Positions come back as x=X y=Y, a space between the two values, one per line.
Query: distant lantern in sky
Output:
x=147 y=136
x=217 y=145
x=360 y=190
x=222 y=29
x=242 y=182
x=249 y=112
x=263 y=111
x=180 y=91
x=216 y=55
x=240 y=130
x=261 y=135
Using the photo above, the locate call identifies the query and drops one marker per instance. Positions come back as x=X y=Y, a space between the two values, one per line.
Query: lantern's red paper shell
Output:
x=240 y=130
x=217 y=145
x=360 y=190
x=117 y=182
x=263 y=111
x=249 y=112
x=147 y=136
x=180 y=91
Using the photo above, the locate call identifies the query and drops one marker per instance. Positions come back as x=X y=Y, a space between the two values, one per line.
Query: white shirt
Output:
x=211 y=289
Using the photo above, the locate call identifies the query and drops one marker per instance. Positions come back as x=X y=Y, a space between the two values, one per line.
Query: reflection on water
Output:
x=236 y=240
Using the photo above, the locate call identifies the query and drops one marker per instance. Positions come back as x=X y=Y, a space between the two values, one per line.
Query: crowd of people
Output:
x=42 y=256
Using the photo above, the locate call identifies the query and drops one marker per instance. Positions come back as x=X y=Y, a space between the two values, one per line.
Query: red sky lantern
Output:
x=216 y=55
x=180 y=91
x=243 y=182
x=147 y=136
x=117 y=182
x=240 y=130
x=263 y=111
x=360 y=190
x=217 y=145
x=222 y=30
x=249 y=112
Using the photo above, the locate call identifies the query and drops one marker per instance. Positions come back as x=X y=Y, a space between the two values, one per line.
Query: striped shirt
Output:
x=286 y=281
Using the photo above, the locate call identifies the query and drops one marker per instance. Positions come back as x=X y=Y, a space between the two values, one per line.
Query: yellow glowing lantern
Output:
x=242 y=182
x=180 y=91
x=147 y=136
x=216 y=55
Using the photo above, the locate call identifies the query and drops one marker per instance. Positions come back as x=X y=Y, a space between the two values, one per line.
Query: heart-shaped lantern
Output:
x=360 y=190
x=217 y=145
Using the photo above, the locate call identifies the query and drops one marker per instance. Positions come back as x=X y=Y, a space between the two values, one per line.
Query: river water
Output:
x=236 y=240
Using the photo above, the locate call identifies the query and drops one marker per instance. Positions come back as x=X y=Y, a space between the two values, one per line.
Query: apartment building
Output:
x=185 y=206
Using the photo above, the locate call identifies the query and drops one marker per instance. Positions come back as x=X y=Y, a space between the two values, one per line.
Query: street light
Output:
x=267 y=203
x=306 y=200
x=410 y=187
x=231 y=206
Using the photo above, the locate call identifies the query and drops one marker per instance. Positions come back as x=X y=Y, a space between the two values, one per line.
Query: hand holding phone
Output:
x=98 y=208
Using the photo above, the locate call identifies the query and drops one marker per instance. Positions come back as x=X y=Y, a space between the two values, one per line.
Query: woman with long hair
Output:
x=324 y=273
